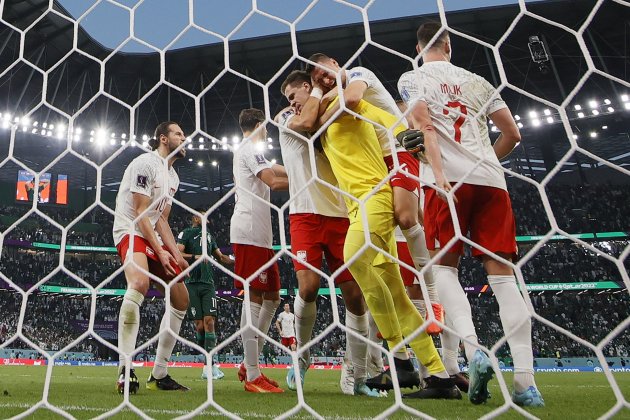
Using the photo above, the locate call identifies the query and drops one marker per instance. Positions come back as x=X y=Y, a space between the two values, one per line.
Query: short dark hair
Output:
x=296 y=76
x=249 y=118
x=315 y=58
x=162 y=129
x=427 y=31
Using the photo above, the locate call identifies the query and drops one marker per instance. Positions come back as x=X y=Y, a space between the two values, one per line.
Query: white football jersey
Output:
x=454 y=97
x=317 y=198
x=251 y=221
x=287 y=322
x=377 y=95
x=149 y=175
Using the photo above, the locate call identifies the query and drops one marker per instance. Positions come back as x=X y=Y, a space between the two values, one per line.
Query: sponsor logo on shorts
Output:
x=263 y=277
x=141 y=181
x=149 y=251
x=301 y=255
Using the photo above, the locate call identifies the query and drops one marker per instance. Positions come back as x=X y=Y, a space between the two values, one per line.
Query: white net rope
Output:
x=69 y=133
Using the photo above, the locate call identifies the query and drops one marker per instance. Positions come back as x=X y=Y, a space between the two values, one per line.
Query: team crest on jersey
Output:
x=404 y=95
x=286 y=114
x=263 y=277
x=141 y=181
x=355 y=74
x=260 y=159
x=301 y=255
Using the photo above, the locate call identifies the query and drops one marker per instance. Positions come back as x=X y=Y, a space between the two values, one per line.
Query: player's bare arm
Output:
x=140 y=203
x=274 y=181
x=279 y=170
x=422 y=119
x=222 y=258
x=163 y=228
x=353 y=93
x=510 y=135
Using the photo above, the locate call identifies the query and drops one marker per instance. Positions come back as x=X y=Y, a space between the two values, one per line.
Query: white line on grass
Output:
x=159 y=411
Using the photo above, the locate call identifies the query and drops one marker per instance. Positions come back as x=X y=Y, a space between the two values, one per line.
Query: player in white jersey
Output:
x=142 y=232
x=285 y=324
x=251 y=237
x=361 y=83
x=318 y=224
x=451 y=106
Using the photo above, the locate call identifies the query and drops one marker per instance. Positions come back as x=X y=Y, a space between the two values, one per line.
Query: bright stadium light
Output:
x=575 y=137
x=593 y=134
x=610 y=109
x=112 y=142
x=200 y=163
x=201 y=140
x=260 y=147
x=234 y=140
x=533 y=114
x=145 y=144
x=595 y=112
x=190 y=146
x=577 y=107
x=624 y=98
x=215 y=163
x=123 y=135
x=592 y=104
x=517 y=117
x=607 y=101
x=190 y=159
x=123 y=142
x=214 y=147
x=201 y=147
x=547 y=112
x=604 y=127
x=273 y=161
x=224 y=139
x=626 y=105
x=269 y=139
x=270 y=146
x=519 y=124
x=145 y=137
x=536 y=122
x=550 y=120
x=224 y=147
x=580 y=115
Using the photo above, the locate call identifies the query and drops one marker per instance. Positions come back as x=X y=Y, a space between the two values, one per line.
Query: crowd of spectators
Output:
x=577 y=209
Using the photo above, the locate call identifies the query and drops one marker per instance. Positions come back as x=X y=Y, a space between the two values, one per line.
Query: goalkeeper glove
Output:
x=413 y=142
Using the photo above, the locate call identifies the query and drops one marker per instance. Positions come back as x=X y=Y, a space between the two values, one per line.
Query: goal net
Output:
x=84 y=84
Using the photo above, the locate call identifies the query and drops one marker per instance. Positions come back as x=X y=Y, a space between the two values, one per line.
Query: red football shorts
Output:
x=142 y=246
x=248 y=259
x=408 y=276
x=408 y=165
x=288 y=341
x=314 y=236
x=484 y=213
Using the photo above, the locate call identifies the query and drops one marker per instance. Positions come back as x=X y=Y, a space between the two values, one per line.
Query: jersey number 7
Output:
x=460 y=119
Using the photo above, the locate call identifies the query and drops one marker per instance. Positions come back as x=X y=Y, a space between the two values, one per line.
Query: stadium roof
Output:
x=129 y=77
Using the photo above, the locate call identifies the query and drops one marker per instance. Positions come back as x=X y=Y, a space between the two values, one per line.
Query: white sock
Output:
x=456 y=305
x=167 y=341
x=420 y=255
x=128 y=324
x=420 y=306
x=305 y=314
x=250 y=342
x=374 y=352
x=513 y=311
x=267 y=312
x=358 y=347
x=450 y=349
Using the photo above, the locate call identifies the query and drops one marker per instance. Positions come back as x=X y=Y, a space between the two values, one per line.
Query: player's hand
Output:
x=166 y=259
x=182 y=263
x=444 y=185
x=413 y=141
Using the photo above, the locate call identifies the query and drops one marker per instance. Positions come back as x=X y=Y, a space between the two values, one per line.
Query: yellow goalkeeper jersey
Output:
x=355 y=156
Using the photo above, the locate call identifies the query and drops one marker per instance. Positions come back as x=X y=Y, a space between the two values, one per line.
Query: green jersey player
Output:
x=200 y=284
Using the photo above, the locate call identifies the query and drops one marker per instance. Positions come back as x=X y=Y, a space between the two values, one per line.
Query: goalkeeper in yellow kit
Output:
x=352 y=147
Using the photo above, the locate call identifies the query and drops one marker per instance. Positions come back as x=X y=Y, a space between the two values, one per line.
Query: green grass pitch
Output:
x=87 y=392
